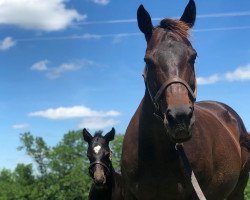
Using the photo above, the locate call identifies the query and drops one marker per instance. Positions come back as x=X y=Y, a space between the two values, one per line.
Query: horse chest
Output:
x=164 y=188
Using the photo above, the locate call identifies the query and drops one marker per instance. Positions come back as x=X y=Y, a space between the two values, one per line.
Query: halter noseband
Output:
x=164 y=86
x=173 y=80
x=105 y=165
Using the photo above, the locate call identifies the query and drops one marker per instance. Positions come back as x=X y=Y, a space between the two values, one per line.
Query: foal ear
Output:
x=144 y=22
x=189 y=14
x=86 y=135
x=110 y=135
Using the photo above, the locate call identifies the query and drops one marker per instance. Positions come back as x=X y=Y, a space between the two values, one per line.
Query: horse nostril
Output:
x=168 y=112
x=99 y=181
x=170 y=115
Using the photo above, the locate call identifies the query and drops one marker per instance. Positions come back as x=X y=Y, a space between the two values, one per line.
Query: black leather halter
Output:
x=165 y=85
x=105 y=165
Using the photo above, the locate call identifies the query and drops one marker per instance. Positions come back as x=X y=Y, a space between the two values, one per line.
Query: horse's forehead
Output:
x=167 y=51
x=157 y=37
x=97 y=148
x=99 y=141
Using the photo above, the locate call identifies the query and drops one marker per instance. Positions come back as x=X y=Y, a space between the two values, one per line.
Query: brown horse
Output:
x=214 y=137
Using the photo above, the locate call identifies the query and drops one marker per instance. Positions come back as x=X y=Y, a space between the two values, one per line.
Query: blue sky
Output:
x=69 y=64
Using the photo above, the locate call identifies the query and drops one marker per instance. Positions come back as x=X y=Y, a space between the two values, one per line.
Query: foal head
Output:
x=99 y=155
x=169 y=71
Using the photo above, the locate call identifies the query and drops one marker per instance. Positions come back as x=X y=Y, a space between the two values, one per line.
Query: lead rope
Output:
x=179 y=146
x=189 y=171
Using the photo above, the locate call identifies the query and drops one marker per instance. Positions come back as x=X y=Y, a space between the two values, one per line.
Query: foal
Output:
x=107 y=183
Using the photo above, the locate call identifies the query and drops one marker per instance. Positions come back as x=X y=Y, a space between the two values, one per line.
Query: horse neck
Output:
x=153 y=130
x=110 y=177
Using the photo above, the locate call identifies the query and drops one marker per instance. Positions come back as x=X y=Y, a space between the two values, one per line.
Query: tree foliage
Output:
x=59 y=172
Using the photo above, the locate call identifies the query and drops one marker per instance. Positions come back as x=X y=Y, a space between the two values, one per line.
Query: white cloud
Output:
x=63 y=68
x=72 y=112
x=97 y=123
x=40 y=65
x=101 y=2
x=208 y=80
x=47 y=15
x=7 y=43
x=118 y=38
x=20 y=126
x=56 y=72
x=88 y=36
x=239 y=74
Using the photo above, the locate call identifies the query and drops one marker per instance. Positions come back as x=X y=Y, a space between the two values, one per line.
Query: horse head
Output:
x=99 y=155
x=169 y=71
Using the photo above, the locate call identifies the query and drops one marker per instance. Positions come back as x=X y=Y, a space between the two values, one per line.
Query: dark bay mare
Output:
x=215 y=139
x=107 y=183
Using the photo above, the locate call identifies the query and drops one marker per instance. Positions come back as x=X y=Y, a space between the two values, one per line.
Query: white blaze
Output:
x=97 y=149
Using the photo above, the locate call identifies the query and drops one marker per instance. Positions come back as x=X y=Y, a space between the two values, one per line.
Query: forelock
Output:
x=178 y=27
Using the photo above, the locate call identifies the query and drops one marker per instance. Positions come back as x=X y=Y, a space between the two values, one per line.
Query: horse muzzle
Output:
x=99 y=176
x=179 y=122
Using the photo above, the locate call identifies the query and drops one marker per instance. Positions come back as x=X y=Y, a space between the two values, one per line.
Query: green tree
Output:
x=116 y=147
x=69 y=164
x=38 y=150
x=24 y=181
x=62 y=170
x=7 y=185
x=247 y=191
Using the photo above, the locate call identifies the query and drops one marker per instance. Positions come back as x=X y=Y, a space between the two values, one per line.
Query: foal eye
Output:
x=106 y=154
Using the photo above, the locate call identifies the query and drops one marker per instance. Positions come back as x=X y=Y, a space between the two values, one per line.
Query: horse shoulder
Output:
x=129 y=158
x=217 y=142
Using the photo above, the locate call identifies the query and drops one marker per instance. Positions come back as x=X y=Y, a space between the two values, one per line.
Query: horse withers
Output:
x=214 y=137
x=107 y=183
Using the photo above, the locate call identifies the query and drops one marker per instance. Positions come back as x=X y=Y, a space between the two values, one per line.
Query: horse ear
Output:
x=144 y=22
x=86 y=135
x=110 y=135
x=189 y=14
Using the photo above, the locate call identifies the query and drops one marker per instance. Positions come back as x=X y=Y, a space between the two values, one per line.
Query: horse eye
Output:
x=89 y=154
x=192 y=59
x=148 y=61
x=107 y=153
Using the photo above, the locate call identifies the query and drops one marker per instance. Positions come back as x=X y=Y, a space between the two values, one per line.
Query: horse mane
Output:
x=178 y=27
x=98 y=133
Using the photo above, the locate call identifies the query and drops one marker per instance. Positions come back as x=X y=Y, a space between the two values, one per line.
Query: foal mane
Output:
x=98 y=133
x=177 y=27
